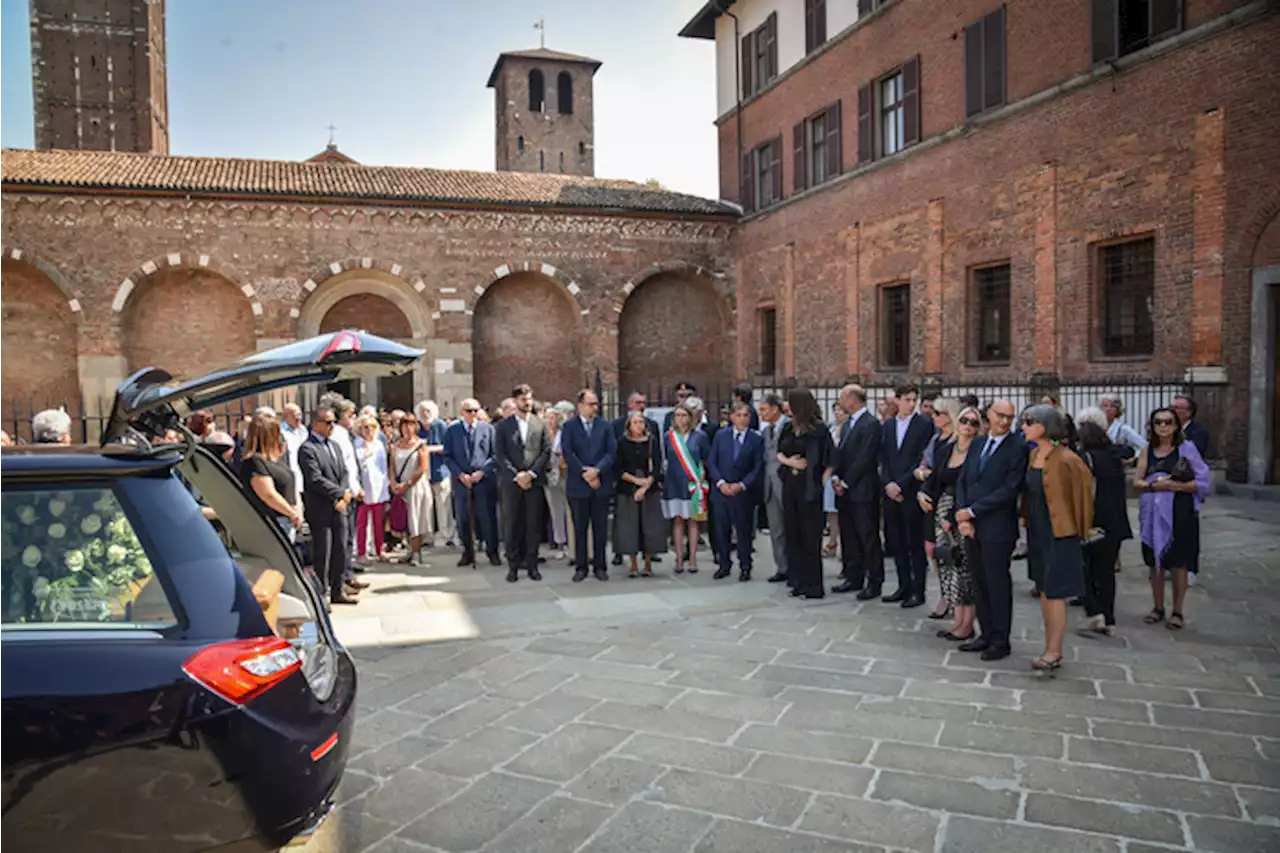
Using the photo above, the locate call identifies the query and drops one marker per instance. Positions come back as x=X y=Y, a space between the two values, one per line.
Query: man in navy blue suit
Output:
x=987 y=501
x=901 y=449
x=589 y=446
x=734 y=466
x=469 y=456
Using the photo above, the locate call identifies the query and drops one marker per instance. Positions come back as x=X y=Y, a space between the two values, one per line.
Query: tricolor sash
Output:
x=692 y=470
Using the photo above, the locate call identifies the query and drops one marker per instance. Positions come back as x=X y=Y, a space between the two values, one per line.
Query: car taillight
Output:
x=239 y=670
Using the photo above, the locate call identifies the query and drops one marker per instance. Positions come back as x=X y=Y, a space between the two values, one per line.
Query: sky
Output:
x=404 y=80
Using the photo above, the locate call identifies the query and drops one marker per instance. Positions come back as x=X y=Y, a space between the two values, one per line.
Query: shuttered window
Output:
x=895 y=327
x=889 y=113
x=760 y=56
x=1126 y=285
x=990 y=304
x=816 y=148
x=984 y=63
x=815 y=24
x=767 y=320
x=1120 y=27
x=866 y=7
x=762 y=175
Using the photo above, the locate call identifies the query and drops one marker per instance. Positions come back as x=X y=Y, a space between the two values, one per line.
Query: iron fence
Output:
x=89 y=416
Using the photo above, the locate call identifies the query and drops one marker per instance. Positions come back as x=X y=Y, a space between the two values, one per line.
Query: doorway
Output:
x=396 y=392
x=1264 y=378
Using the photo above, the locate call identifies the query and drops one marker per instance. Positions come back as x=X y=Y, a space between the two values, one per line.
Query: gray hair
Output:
x=428 y=411
x=266 y=411
x=565 y=409
x=1113 y=399
x=1092 y=415
x=51 y=426
x=1048 y=416
x=694 y=404
x=771 y=398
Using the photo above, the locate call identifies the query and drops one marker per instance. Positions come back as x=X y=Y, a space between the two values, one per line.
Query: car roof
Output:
x=59 y=461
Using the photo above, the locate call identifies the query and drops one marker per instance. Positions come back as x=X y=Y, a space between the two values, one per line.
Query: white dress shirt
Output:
x=902 y=425
x=341 y=439
x=523 y=424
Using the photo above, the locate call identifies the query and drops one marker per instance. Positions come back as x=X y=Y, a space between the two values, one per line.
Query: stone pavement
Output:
x=684 y=714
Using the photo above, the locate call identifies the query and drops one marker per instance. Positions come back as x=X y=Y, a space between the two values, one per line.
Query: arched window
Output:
x=564 y=93
x=537 y=91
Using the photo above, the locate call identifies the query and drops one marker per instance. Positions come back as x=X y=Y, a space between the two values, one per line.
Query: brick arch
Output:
x=674 y=268
x=367 y=263
x=192 y=260
x=50 y=271
x=41 y=346
x=1244 y=243
x=381 y=280
x=560 y=276
x=1266 y=249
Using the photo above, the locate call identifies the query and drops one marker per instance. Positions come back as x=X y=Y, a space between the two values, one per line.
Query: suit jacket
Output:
x=581 y=451
x=324 y=478
x=991 y=492
x=745 y=469
x=772 y=487
x=898 y=464
x=514 y=455
x=857 y=459
x=1199 y=436
x=479 y=457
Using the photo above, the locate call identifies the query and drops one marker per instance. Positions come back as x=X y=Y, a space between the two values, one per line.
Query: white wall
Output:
x=751 y=14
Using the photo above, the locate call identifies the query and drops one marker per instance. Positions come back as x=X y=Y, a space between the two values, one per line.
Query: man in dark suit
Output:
x=987 y=501
x=684 y=390
x=1185 y=408
x=742 y=393
x=734 y=466
x=589 y=447
x=469 y=456
x=325 y=498
x=902 y=445
x=523 y=451
x=636 y=402
x=857 y=486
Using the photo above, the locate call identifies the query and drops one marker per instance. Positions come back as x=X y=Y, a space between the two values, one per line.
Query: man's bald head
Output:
x=1000 y=417
x=853 y=397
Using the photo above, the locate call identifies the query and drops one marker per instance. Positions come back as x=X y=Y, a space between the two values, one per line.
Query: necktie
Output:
x=737 y=445
x=986 y=453
x=471 y=440
x=844 y=429
x=587 y=426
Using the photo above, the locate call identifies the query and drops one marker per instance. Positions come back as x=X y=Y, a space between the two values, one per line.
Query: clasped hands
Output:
x=591 y=476
x=731 y=489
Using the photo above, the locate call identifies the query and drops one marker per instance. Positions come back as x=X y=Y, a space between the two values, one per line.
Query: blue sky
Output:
x=404 y=80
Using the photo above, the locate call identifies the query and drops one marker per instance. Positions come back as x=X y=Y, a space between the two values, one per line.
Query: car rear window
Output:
x=71 y=556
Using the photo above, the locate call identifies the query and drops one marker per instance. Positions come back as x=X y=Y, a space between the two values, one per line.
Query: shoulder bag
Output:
x=399 y=515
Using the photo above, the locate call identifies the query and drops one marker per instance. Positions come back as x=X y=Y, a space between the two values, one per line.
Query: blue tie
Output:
x=737 y=445
x=587 y=426
x=986 y=454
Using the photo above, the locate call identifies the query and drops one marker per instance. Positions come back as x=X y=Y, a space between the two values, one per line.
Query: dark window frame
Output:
x=767 y=330
x=887 y=114
x=985 y=288
x=1125 y=286
x=815 y=25
x=759 y=56
x=872 y=111
x=817 y=148
x=761 y=169
x=564 y=93
x=895 y=342
x=985 y=63
x=537 y=91
x=1115 y=30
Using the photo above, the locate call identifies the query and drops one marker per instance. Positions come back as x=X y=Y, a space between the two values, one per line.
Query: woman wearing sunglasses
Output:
x=1057 y=506
x=1172 y=480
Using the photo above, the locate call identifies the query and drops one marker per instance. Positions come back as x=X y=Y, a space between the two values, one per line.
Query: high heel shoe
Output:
x=1043 y=664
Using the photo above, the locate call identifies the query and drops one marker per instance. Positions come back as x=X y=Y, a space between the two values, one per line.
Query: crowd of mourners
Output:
x=942 y=485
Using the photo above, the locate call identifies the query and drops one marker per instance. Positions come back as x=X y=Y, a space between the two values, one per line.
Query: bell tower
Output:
x=98 y=73
x=544 y=119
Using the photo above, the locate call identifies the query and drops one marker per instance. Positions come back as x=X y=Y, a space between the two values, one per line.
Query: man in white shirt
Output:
x=294 y=433
x=341 y=438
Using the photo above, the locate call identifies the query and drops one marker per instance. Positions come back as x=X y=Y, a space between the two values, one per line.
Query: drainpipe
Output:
x=737 y=88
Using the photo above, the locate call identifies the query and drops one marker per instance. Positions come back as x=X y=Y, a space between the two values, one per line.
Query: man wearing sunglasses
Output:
x=857 y=486
x=469 y=456
x=325 y=498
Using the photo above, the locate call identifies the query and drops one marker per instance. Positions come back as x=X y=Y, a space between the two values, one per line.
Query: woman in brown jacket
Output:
x=1057 y=505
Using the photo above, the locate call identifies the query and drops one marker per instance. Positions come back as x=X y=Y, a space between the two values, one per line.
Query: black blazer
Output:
x=1110 y=509
x=899 y=463
x=1199 y=436
x=857 y=459
x=324 y=478
x=514 y=455
x=991 y=493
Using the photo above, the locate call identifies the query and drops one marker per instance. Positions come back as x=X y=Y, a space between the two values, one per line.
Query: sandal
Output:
x=679 y=569
x=1155 y=617
x=647 y=573
x=1043 y=664
x=829 y=550
x=634 y=573
x=1175 y=622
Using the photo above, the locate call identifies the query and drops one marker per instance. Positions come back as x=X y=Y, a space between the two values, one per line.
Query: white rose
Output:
x=117 y=553
x=31 y=556
x=57 y=530
x=40 y=589
x=57 y=507
x=27 y=515
x=91 y=524
x=74 y=560
x=96 y=548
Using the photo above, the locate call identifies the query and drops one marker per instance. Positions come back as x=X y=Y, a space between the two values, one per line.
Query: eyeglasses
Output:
x=329 y=421
x=973 y=422
x=1001 y=415
x=469 y=411
x=1163 y=422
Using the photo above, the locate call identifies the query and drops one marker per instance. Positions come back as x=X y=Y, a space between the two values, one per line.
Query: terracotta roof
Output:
x=103 y=170
x=331 y=154
x=541 y=53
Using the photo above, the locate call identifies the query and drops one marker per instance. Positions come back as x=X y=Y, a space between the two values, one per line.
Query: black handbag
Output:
x=1182 y=471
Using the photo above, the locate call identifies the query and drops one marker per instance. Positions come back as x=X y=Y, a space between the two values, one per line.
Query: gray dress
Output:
x=1056 y=564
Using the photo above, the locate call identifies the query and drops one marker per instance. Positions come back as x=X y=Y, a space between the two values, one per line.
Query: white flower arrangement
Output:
x=57 y=530
x=27 y=515
x=91 y=524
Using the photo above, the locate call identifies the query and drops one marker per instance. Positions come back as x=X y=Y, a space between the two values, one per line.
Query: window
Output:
x=759 y=64
x=895 y=335
x=767 y=318
x=1126 y=284
x=816 y=146
x=537 y=92
x=582 y=149
x=520 y=144
x=1121 y=27
x=866 y=7
x=762 y=175
x=815 y=24
x=542 y=161
x=889 y=113
x=561 y=161
x=984 y=67
x=564 y=93
x=991 y=334
x=72 y=556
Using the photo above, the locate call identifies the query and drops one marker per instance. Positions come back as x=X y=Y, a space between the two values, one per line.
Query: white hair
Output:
x=1113 y=399
x=428 y=411
x=695 y=403
x=1092 y=415
x=51 y=426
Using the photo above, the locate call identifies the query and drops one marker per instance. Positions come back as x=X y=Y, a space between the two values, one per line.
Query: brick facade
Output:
x=557 y=134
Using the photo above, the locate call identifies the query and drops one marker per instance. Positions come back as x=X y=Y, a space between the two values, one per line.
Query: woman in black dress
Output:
x=805 y=457
x=640 y=528
x=938 y=496
x=266 y=475
x=1110 y=522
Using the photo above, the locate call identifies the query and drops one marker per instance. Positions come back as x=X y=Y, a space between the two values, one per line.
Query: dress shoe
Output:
x=350 y=590
x=868 y=594
x=467 y=560
x=534 y=574
x=358 y=584
x=580 y=575
x=847 y=586
x=913 y=601
x=896 y=597
x=601 y=574
x=744 y=575
x=948 y=635
x=495 y=560
x=512 y=575
x=720 y=574
x=617 y=559
x=996 y=653
x=977 y=644
x=796 y=592
x=343 y=598
x=814 y=595
x=655 y=558
x=358 y=568
x=778 y=577
x=1076 y=602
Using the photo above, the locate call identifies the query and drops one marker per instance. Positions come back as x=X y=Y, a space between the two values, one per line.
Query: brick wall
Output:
x=527 y=329
x=674 y=328
x=549 y=134
x=39 y=341
x=371 y=313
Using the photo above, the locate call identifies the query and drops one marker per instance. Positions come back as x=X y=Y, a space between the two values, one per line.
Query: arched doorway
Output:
x=675 y=327
x=1263 y=458
x=39 y=358
x=525 y=329
x=187 y=321
x=377 y=316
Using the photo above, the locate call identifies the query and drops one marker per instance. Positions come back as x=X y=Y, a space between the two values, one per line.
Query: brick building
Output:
x=539 y=272
x=976 y=192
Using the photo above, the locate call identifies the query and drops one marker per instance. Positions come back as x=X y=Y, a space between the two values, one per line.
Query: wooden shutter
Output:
x=974 y=74
x=835 y=158
x=748 y=59
x=819 y=22
x=864 y=7
x=801 y=160
x=993 y=59
x=776 y=148
x=1166 y=18
x=1105 y=29
x=866 y=137
x=771 y=36
x=747 y=190
x=810 y=29
x=911 y=101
